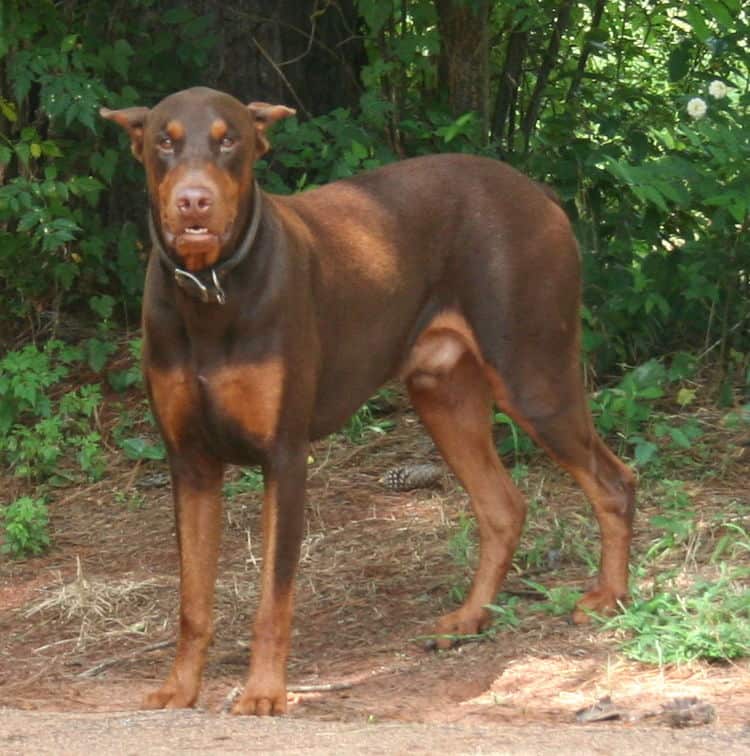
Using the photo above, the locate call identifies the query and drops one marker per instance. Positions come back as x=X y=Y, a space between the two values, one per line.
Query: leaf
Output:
x=697 y=23
x=679 y=438
x=97 y=353
x=686 y=396
x=678 y=63
x=139 y=448
x=644 y=452
x=68 y=43
x=8 y=109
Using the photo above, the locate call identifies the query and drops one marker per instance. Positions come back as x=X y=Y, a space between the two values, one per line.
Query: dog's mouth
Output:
x=198 y=246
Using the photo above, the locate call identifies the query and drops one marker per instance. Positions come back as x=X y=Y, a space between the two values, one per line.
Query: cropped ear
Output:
x=133 y=120
x=265 y=116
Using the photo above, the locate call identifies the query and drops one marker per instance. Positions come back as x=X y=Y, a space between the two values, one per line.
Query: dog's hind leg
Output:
x=553 y=408
x=454 y=405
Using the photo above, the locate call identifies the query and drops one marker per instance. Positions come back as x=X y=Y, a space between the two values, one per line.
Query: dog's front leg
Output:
x=283 y=526
x=196 y=485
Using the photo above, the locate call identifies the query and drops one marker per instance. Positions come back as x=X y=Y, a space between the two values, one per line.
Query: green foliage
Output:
x=121 y=380
x=630 y=410
x=371 y=417
x=25 y=524
x=250 y=481
x=139 y=448
x=658 y=197
x=709 y=619
x=38 y=423
x=558 y=601
x=505 y=615
x=60 y=63
x=516 y=442
x=462 y=547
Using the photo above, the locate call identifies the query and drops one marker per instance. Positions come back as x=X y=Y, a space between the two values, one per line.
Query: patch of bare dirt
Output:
x=89 y=626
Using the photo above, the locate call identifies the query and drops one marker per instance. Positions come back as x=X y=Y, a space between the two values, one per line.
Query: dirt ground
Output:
x=87 y=629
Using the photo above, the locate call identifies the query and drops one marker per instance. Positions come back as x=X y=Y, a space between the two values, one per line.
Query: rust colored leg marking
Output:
x=569 y=437
x=283 y=524
x=455 y=409
x=197 y=492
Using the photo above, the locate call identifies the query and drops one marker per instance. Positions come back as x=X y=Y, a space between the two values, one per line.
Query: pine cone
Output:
x=412 y=476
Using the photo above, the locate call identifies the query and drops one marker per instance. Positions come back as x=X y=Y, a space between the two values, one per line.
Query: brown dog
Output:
x=268 y=321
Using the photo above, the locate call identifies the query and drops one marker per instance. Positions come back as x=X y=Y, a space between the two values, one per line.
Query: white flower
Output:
x=697 y=108
x=717 y=89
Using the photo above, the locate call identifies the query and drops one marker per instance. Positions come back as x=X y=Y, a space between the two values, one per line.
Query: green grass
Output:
x=674 y=623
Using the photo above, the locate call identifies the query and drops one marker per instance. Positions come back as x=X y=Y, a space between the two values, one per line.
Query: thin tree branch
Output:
x=280 y=73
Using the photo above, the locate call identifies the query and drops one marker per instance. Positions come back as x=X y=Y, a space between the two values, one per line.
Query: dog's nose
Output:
x=194 y=200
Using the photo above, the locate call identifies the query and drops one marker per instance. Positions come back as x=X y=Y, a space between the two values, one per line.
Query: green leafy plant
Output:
x=505 y=614
x=38 y=425
x=516 y=441
x=25 y=523
x=369 y=418
x=559 y=601
x=250 y=481
x=462 y=547
x=672 y=625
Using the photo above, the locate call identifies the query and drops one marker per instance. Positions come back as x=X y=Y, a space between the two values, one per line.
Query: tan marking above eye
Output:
x=218 y=129
x=175 y=130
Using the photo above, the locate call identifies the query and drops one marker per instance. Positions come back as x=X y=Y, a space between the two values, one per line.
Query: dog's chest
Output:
x=241 y=403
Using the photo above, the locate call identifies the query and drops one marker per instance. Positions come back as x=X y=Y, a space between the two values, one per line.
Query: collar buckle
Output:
x=213 y=293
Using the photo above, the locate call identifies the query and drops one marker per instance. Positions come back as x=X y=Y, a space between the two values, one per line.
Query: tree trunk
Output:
x=503 y=121
x=464 y=56
x=304 y=54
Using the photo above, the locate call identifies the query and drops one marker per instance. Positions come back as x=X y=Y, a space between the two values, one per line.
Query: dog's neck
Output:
x=205 y=285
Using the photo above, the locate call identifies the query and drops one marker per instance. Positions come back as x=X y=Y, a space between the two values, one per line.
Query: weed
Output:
x=121 y=380
x=733 y=543
x=676 y=523
x=706 y=620
x=25 y=524
x=558 y=601
x=549 y=541
x=36 y=429
x=140 y=448
x=516 y=442
x=505 y=614
x=629 y=410
x=462 y=548
x=368 y=418
x=250 y=481
x=132 y=500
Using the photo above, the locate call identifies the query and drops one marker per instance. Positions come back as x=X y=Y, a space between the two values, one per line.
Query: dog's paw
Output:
x=261 y=704
x=170 y=697
x=599 y=601
x=458 y=627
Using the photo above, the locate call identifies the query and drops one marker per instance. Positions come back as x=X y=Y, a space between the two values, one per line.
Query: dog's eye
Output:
x=166 y=144
x=226 y=143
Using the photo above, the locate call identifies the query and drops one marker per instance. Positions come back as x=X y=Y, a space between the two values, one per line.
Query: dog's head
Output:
x=198 y=147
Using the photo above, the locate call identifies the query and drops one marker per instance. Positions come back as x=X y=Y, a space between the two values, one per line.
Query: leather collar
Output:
x=205 y=285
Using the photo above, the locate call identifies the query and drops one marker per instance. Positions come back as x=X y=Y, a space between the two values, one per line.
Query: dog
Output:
x=268 y=320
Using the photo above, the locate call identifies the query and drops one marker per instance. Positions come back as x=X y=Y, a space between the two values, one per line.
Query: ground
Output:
x=88 y=627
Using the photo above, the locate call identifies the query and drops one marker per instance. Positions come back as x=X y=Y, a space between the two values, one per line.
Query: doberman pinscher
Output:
x=269 y=320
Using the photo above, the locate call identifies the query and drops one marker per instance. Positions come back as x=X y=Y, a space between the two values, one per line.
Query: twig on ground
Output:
x=107 y=663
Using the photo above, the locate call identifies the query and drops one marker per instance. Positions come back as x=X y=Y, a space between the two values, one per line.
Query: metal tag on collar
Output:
x=193 y=285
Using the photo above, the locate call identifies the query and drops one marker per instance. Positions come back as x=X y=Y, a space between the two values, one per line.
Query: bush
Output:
x=25 y=525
